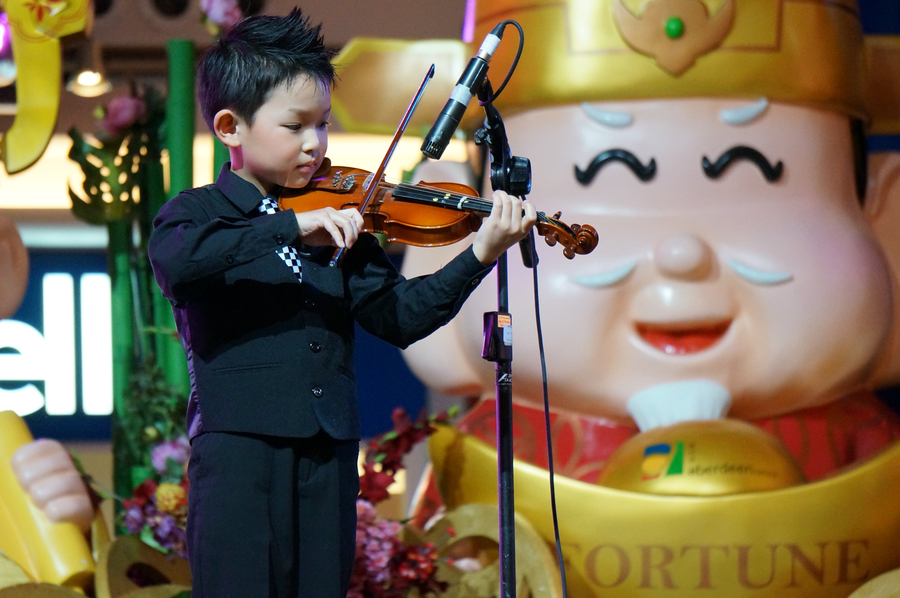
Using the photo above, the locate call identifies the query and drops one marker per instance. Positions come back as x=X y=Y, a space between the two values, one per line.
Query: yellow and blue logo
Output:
x=662 y=459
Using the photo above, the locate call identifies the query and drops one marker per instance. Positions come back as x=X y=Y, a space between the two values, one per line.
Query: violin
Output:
x=423 y=214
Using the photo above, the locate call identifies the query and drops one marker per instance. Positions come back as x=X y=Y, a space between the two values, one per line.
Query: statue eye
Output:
x=742 y=152
x=644 y=173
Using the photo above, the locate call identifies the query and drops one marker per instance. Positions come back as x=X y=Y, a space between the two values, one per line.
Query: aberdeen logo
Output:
x=661 y=459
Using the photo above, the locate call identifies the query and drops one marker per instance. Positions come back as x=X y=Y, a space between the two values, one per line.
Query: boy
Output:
x=267 y=325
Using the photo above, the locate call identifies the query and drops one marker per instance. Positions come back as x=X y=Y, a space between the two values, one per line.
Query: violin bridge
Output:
x=339 y=181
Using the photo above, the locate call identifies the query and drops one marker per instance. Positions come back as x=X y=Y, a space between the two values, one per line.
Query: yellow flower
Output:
x=169 y=497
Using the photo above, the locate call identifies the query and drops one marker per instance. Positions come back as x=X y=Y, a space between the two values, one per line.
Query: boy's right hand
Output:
x=329 y=227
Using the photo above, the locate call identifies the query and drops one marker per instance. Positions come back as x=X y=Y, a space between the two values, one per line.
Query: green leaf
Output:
x=110 y=178
x=148 y=539
x=174 y=471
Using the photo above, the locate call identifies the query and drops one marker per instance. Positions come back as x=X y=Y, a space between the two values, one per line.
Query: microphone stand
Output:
x=513 y=175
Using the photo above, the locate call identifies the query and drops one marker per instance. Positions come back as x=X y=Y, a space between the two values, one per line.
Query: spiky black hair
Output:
x=256 y=56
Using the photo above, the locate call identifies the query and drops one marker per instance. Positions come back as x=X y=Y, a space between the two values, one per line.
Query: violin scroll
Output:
x=580 y=239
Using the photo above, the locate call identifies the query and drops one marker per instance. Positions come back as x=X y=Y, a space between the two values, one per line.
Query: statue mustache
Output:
x=644 y=173
x=742 y=152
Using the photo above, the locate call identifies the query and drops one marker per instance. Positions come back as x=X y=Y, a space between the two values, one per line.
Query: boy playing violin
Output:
x=267 y=325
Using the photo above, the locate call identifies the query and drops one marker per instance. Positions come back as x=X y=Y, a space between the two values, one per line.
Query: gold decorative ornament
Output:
x=471 y=532
x=37 y=27
x=816 y=540
x=702 y=458
x=10 y=573
x=883 y=586
x=674 y=32
x=172 y=576
x=38 y=590
x=796 y=51
x=807 y=52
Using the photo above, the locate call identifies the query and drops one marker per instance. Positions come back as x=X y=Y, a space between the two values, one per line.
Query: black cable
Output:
x=514 y=63
x=540 y=338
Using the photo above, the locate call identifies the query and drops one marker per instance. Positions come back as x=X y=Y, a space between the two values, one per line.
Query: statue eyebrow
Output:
x=609 y=118
x=742 y=152
x=744 y=114
x=644 y=173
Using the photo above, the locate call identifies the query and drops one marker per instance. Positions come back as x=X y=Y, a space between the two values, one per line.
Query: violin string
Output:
x=444 y=198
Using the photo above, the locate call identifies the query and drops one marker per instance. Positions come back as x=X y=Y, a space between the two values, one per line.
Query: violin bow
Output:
x=379 y=172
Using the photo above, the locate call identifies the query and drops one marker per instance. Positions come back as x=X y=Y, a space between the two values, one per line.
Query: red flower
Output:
x=142 y=494
x=373 y=484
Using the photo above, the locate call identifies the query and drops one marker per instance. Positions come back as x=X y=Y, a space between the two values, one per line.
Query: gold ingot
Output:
x=55 y=553
x=818 y=540
x=172 y=574
x=702 y=458
x=476 y=535
x=883 y=586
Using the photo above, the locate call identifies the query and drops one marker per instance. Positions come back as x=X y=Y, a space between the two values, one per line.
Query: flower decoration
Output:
x=157 y=510
x=384 y=455
x=386 y=566
x=128 y=135
x=165 y=453
x=219 y=15
x=121 y=113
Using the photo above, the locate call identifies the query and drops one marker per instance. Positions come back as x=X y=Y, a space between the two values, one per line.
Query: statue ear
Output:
x=883 y=187
x=882 y=210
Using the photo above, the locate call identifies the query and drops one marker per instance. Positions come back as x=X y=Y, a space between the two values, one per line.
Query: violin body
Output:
x=424 y=214
x=413 y=223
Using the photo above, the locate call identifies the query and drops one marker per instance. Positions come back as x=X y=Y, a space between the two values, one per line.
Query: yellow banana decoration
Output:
x=36 y=27
x=48 y=552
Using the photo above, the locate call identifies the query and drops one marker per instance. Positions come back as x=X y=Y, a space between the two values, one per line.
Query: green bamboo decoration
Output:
x=180 y=116
x=180 y=144
x=111 y=176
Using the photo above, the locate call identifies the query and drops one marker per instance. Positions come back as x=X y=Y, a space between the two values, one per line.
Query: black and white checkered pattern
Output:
x=287 y=253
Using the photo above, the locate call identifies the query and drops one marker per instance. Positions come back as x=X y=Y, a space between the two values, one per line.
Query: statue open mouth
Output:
x=682 y=339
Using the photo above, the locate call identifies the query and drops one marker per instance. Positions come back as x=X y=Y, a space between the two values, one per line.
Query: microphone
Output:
x=468 y=85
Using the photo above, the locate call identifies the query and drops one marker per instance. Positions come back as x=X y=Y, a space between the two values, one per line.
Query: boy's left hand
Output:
x=509 y=222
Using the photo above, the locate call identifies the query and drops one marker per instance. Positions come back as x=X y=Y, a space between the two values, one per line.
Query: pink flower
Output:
x=121 y=113
x=178 y=450
x=223 y=13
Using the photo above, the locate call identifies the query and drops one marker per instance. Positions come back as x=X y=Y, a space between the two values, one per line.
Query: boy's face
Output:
x=286 y=143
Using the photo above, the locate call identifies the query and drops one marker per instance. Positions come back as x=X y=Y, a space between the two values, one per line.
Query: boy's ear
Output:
x=225 y=126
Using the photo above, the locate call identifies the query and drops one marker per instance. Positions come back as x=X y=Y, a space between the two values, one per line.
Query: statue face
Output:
x=773 y=288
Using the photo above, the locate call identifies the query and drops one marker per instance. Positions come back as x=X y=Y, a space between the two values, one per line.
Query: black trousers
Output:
x=271 y=517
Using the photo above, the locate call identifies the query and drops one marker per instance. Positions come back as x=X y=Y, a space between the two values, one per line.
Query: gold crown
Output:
x=808 y=52
x=798 y=51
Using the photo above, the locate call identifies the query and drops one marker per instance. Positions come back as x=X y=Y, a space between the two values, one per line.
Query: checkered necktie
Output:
x=287 y=253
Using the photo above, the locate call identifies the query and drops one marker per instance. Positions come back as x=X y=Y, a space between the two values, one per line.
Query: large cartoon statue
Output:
x=711 y=362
